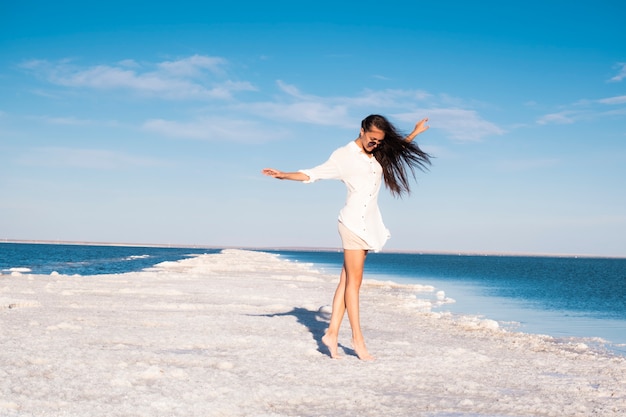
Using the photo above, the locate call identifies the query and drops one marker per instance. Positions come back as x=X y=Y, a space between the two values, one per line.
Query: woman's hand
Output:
x=420 y=127
x=271 y=172
x=294 y=176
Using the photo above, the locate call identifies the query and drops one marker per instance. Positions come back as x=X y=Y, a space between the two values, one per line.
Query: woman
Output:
x=380 y=152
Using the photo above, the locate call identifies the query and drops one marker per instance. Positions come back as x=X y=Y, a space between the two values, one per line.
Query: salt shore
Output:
x=238 y=334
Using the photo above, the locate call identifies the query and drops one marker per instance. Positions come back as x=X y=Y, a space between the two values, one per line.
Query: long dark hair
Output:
x=395 y=155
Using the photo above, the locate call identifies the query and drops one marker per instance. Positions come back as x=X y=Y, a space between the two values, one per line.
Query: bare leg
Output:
x=354 y=261
x=339 y=309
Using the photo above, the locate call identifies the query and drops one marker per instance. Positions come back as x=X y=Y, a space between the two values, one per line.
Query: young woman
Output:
x=379 y=153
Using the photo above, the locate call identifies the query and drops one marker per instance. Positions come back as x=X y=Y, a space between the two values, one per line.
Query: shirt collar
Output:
x=357 y=149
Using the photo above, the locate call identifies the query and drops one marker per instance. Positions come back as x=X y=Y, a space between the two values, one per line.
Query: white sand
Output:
x=237 y=334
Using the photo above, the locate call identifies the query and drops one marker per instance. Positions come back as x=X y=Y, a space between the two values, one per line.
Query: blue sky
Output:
x=149 y=122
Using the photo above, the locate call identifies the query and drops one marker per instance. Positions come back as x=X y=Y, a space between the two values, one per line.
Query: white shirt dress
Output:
x=363 y=177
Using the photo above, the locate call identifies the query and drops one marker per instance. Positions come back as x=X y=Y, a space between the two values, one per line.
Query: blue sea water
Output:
x=87 y=259
x=560 y=296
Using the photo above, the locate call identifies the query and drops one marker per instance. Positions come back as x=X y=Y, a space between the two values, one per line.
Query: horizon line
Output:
x=305 y=248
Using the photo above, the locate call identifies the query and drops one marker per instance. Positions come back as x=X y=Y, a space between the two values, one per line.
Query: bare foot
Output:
x=331 y=344
x=361 y=351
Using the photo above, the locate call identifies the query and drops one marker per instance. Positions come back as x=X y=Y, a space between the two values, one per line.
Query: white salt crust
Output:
x=238 y=334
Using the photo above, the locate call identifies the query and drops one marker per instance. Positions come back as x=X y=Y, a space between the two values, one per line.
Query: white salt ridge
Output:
x=238 y=334
x=18 y=270
x=133 y=257
x=15 y=272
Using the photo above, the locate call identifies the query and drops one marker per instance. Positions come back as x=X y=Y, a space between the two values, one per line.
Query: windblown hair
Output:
x=396 y=155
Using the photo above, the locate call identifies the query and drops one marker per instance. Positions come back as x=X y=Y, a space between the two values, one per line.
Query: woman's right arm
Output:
x=294 y=176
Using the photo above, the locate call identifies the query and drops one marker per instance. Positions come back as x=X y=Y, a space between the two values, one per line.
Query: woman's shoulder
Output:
x=347 y=149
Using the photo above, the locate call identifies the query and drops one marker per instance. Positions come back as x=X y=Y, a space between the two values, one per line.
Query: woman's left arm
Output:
x=420 y=127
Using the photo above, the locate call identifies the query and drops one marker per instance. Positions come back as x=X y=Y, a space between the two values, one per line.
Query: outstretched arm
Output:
x=420 y=127
x=294 y=176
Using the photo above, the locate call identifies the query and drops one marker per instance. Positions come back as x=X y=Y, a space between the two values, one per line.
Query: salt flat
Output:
x=238 y=334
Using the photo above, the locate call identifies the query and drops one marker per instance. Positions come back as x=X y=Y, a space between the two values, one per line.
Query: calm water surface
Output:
x=559 y=296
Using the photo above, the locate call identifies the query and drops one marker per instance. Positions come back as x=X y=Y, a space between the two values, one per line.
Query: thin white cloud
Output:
x=214 y=129
x=586 y=109
x=201 y=77
x=459 y=124
x=615 y=112
x=195 y=77
x=131 y=63
x=290 y=89
x=85 y=159
x=46 y=93
x=389 y=98
x=72 y=121
x=34 y=64
x=621 y=74
x=613 y=100
x=377 y=98
x=589 y=109
x=564 y=117
x=194 y=66
x=68 y=121
x=313 y=112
